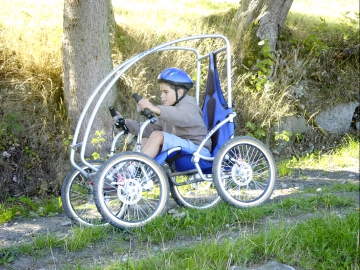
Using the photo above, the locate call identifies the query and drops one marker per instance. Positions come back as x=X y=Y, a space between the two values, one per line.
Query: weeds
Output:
x=344 y=156
x=255 y=130
x=9 y=129
x=29 y=207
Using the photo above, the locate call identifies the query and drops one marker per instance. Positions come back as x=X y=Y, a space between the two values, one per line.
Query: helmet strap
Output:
x=176 y=95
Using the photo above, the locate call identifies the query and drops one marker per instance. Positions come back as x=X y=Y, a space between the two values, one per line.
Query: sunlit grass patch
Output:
x=334 y=9
x=29 y=207
x=346 y=155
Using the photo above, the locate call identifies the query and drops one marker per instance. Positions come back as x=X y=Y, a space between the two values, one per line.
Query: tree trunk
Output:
x=259 y=20
x=88 y=26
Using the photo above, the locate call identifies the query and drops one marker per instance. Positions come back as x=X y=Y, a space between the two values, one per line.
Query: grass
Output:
x=262 y=233
x=346 y=155
x=25 y=207
x=273 y=231
x=301 y=245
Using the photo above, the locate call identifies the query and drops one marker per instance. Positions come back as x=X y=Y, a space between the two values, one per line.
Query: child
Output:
x=179 y=119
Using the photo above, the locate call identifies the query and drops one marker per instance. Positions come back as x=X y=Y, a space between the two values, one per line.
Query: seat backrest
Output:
x=215 y=108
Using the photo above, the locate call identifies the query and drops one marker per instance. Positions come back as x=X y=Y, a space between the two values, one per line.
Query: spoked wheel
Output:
x=199 y=195
x=244 y=172
x=77 y=197
x=130 y=190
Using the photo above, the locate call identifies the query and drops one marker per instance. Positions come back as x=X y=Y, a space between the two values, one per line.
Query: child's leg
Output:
x=143 y=142
x=154 y=144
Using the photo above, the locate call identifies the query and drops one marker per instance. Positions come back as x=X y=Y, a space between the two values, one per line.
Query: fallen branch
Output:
x=310 y=119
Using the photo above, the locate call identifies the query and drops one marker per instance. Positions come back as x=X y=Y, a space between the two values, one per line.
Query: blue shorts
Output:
x=171 y=141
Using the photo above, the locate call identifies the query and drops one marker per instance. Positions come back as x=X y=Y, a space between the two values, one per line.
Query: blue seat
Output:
x=215 y=109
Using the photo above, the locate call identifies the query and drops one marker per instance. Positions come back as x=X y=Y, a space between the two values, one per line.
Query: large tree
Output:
x=88 y=26
x=258 y=20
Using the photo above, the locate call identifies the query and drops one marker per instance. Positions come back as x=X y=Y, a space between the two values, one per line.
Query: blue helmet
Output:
x=177 y=77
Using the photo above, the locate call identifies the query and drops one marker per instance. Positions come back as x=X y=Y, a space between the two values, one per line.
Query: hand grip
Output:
x=146 y=112
x=112 y=111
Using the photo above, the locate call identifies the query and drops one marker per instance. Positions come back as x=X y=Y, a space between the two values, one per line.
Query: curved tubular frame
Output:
x=118 y=71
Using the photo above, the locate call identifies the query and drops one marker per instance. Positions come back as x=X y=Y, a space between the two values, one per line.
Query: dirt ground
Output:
x=108 y=250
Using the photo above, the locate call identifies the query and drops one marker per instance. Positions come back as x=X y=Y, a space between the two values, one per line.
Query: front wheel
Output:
x=131 y=189
x=244 y=172
x=77 y=197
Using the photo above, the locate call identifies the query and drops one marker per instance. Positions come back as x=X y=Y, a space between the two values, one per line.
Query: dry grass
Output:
x=30 y=64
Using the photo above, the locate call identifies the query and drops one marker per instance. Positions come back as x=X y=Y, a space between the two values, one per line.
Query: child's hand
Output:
x=146 y=104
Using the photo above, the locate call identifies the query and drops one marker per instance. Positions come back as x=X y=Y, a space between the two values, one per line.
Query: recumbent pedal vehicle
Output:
x=130 y=189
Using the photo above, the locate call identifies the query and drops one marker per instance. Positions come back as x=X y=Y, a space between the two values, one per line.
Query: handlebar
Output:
x=119 y=122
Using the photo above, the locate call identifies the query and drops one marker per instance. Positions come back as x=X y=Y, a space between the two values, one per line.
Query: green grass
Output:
x=337 y=187
x=29 y=207
x=325 y=241
x=208 y=226
x=80 y=238
x=346 y=155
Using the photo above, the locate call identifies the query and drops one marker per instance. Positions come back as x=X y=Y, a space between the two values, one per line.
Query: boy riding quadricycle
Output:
x=189 y=152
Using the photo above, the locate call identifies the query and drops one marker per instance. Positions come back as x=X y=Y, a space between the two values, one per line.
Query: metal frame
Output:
x=117 y=72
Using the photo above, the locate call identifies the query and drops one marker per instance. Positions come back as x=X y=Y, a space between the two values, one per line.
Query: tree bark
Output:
x=88 y=26
x=259 y=20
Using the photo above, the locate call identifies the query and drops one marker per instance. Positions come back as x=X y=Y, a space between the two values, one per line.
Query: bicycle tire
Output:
x=77 y=197
x=122 y=199
x=244 y=172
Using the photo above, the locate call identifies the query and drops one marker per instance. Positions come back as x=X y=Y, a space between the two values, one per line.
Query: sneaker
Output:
x=112 y=174
x=148 y=185
x=134 y=171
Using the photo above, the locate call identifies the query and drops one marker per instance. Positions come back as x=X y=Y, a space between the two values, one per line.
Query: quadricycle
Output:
x=129 y=189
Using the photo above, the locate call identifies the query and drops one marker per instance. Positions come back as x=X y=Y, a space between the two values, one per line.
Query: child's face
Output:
x=168 y=96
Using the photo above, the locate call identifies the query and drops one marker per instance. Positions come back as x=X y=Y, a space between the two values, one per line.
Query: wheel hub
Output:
x=131 y=192
x=242 y=174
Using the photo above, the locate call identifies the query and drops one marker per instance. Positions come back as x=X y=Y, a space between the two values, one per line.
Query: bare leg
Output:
x=154 y=144
x=144 y=141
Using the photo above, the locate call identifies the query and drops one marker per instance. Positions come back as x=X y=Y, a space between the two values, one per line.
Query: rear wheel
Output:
x=244 y=172
x=77 y=197
x=131 y=189
x=199 y=195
